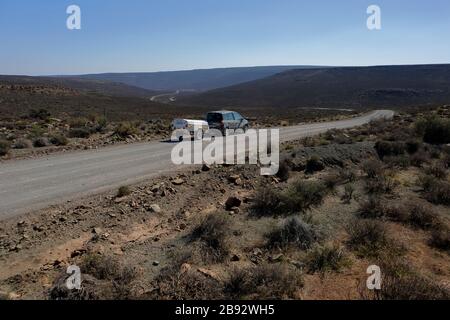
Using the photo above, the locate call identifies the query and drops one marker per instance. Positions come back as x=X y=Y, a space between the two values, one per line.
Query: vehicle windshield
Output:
x=214 y=117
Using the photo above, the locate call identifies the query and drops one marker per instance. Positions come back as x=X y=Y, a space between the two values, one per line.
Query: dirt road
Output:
x=36 y=183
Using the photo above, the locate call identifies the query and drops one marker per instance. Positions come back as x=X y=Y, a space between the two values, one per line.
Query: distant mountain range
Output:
x=302 y=87
x=196 y=80
x=340 y=87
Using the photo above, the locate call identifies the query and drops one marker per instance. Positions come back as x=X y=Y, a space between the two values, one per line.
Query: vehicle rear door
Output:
x=214 y=120
x=239 y=120
x=228 y=120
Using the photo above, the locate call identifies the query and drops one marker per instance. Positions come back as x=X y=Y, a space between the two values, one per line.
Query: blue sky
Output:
x=156 y=35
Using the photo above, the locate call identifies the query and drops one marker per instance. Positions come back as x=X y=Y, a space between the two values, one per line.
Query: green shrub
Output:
x=440 y=239
x=294 y=232
x=299 y=197
x=435 y=191
x=367 y=237
x=314 y=164
x=283 y=171
x=437 y=169
x=174 y=284
x=267 y=202
x=78 y=122
x=4 y=147
x=123 y=191
x=23 y=144
x=349 y=190
x=402 y=161
x=101 y=124
x=390 y=148
x=82 y=133
x=373 y=169
x=413 y=146
x=100 y=266
x=419 y=158
x=40 y=142
x=372 y=208
x=59 y=140
x=347 y=175
x=41 y=114
x=380 y=185
x=125 y=129
x=212 y=233
x=326 y=259
x=118 y=278
x=423 y=217
x=264 y=282
x=331 y=181
x=400 y=282
x=434 y=130
x=414 y=213
x=302 y=196
x=36 y=131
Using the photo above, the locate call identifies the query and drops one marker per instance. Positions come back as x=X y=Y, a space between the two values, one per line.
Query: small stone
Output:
x=187 y=214
x=209 y=273
x=155 y=263
x=233 y=202
x=155 y=208
x=97 y=231
x=235 y=210
x=119 y=200
x=185 y=267
x=206 y=168
x=178 y=182
x=234 y=178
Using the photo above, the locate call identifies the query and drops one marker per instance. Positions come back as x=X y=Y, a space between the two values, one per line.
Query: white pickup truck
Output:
x=196 y=128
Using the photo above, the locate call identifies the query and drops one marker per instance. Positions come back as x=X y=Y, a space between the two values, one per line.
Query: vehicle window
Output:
x=237 y=116
x=228 y=116
x=214 y=117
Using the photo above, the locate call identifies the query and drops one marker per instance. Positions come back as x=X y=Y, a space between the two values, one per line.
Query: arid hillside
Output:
x=344 y=87
x=378 y=194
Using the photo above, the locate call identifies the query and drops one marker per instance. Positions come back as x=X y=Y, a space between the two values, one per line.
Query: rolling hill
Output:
x=340 y=87
x=83 y=85
x=196 y=80
x=65 y=98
